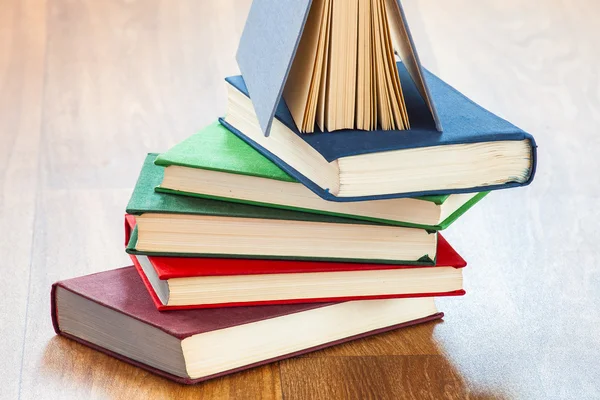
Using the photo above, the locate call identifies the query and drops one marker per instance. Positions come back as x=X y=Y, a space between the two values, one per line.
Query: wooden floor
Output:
x=88 y=87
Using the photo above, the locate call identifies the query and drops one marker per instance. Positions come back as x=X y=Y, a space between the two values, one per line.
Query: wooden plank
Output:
x=378 y=377
x=76 y=234
x=414 y=340
x=22 y=48
x=85 y=373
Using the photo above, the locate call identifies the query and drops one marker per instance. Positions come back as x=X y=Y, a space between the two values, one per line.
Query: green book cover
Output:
x=221 y=151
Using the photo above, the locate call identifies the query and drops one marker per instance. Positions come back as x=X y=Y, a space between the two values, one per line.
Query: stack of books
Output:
x=310 y=214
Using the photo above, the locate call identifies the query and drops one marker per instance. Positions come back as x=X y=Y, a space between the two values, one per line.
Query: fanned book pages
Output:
x=180 y=283
x=344 y=73
x=333 y=61
x=111 y=312
x=216 y=164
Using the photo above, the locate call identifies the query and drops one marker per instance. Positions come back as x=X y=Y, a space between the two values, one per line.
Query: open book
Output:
x=333 y=62
x=344 y=74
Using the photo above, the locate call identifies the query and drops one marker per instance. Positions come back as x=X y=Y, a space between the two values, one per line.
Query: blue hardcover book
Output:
x=478 y=151
x=273 y=36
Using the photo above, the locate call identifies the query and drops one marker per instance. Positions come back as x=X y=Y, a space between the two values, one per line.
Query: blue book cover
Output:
x=267 y=47
x=463 y=120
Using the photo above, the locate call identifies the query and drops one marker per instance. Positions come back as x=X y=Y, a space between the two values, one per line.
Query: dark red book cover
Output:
x=122 y=290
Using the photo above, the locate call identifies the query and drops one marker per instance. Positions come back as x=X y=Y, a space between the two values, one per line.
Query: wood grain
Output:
x=22 y=51
x=105 y=377
x=367 y=377
x=87 y=88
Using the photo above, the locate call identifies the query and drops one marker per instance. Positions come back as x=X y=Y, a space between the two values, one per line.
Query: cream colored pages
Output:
x=344 y=74
x=350 y=63
x=335 y=73
x=395 y=89
x=406 y=51
x=322 y=102
x=320 y=68
x=383 y=106
x=364 y=92
x=297 y=88
x=373 y=61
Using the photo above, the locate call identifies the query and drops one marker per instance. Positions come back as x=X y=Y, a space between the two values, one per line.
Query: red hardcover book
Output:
x=111 y=312
x=181 y=283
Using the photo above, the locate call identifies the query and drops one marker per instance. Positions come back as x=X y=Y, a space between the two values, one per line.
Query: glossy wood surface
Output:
x=87 y=88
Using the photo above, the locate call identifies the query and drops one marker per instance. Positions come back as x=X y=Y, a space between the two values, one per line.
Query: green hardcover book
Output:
x=216 y=164
x=169 y=224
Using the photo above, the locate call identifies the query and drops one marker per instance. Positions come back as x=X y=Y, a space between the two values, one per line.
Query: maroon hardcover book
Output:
x=121 y=292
